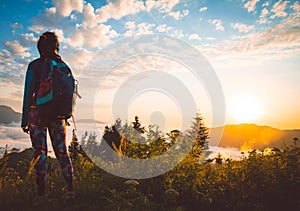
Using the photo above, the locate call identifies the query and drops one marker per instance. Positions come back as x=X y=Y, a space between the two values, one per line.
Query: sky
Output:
x=252 y=47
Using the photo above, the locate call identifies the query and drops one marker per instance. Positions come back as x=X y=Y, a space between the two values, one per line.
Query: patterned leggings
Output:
x=38 y=134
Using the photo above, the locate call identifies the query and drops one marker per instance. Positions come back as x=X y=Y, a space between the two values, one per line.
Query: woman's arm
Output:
x=29 y=89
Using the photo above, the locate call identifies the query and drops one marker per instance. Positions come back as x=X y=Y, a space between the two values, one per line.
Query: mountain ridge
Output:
x=247 y=136
x=244 y=136
x=8 y=115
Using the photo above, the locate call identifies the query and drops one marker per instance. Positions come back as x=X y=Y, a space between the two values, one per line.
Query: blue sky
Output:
x=253 y=46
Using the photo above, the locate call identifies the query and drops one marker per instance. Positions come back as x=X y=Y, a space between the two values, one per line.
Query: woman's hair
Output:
x=47 y=44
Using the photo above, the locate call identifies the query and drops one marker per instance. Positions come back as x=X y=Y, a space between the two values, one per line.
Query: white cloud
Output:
x=164 y=28
x=262 y=17
x=144 y=28
x=218 y=24
x=243 y=27
x=49 y=18
x=177 y=33
x=161 y=28
x=194 y=37
x=119 y=9
x=250 y=5
x=89 y=17
x=280 y=41
x=77 y=58
x=266 y=4
x=37 y=28
x=13 y=136
x=65 y=7
x=178 y=15
x=98 y=36
x=278 y=9
x=163 y=6
x=17 y=49
x=296 y=7
x=130 y=25
x=28 y=40
x=202 y=9
x=60 y=34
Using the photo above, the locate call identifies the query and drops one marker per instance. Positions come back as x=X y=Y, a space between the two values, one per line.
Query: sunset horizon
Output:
x=234 y=62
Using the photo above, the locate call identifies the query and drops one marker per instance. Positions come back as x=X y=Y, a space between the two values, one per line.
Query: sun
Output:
x=246 y=109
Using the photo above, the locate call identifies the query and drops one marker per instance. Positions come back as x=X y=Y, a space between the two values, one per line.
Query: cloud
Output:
x=37 y=28
x=65 y=7
x=266 y=4
x=49 y=18
x=77 y=58
x=163 y=6
x=12 y=135
x=178 y=15
x=16 y=48
x=118 y=9
x=89 y=16
x=218 y=24
x=202 y=9
x=98 y=36
x=280 y=41
x=278 y=9
x=296 y=7
x=121 y=8
x=243 y=27
x=28 y=40
x=53 y=16
x=250 y=5
x=262 y=17
x=194 y=37
x=16 y=26
x=130 y=25
x=144 y=28
x=164 y=28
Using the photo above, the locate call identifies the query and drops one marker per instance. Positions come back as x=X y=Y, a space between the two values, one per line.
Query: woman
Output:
x=48 y=47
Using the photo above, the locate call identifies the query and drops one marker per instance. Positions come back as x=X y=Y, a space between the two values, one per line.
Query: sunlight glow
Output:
x=246 y=109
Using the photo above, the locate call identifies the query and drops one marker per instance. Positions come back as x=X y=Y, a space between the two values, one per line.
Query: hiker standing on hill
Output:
x=32 y=123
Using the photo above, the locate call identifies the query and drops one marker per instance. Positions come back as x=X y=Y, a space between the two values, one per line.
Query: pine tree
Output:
x=199 y=136
x=74 y=146
x=6 y=151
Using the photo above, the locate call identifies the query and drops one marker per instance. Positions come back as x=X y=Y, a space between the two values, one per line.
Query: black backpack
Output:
x=56 y=94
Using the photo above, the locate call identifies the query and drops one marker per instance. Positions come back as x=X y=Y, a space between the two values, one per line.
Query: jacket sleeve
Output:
x=29 y=89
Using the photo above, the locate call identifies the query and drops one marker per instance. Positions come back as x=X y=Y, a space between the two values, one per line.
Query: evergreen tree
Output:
x=199 y=135
x=6 y=151
x=74 y=146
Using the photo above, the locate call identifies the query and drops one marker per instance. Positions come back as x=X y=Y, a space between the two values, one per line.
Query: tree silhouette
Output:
x=199 y=135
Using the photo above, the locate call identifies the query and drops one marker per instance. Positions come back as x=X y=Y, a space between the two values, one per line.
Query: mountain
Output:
x=8 y=115
x=88 y=121
x=252 y=136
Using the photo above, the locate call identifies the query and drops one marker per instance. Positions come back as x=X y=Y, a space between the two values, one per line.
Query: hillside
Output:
x=8 y=115
x=252 y=136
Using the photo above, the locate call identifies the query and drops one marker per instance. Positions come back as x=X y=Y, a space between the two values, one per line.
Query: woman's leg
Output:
x=39 y=144
x=57 y=131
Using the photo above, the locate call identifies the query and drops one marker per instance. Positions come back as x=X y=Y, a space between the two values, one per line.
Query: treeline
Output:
x=259 y=181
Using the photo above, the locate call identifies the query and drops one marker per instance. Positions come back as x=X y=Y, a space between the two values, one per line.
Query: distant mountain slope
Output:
x=8 y=115
x=252 y=136
x=88 y=121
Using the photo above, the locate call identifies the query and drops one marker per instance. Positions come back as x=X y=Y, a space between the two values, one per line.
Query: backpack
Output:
x=56 y=94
